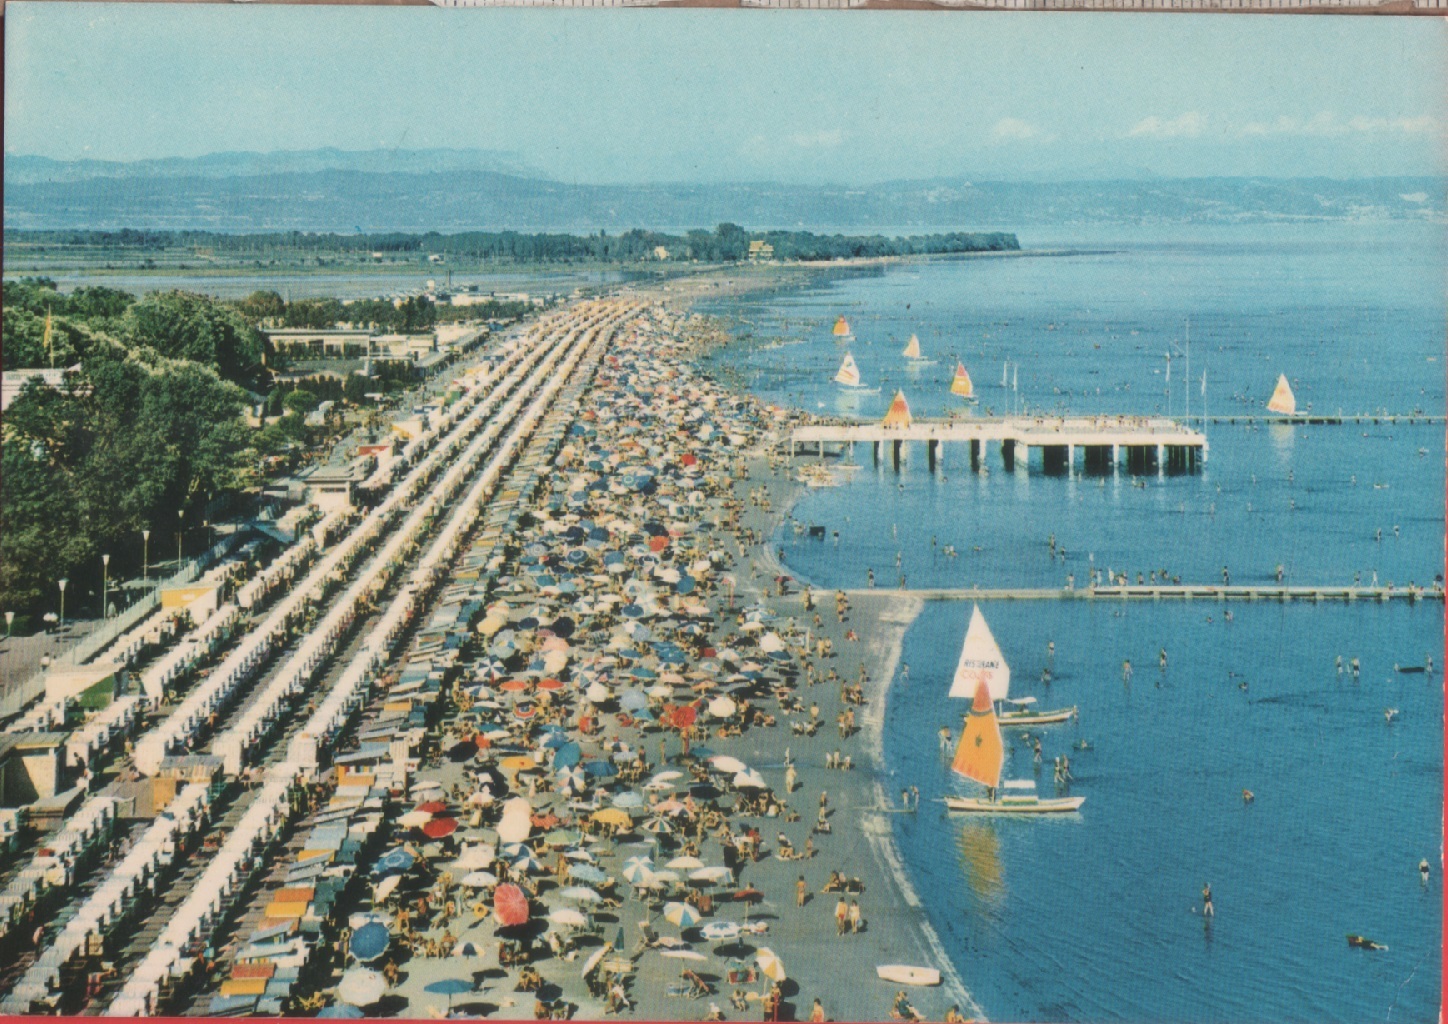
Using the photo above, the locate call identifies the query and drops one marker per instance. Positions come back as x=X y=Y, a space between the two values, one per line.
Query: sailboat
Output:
x=960 y=384
x=912 y=352
x=842 y=330
x=981 y=755
x=1283 y=400
x=848 y=374
x=981 y=660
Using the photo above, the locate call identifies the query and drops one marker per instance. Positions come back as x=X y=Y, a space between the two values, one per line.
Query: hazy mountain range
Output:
x=455 y=190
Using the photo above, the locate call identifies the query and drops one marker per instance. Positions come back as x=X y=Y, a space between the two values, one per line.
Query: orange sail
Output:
x=960 y=384
x=980 y=754
x=899 y=413
x=842 y=328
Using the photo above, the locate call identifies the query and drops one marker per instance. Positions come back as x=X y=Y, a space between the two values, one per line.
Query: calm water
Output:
x=1096 y=917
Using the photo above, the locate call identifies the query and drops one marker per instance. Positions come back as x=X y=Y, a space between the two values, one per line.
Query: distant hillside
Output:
x=31 y=170
x=342 y=192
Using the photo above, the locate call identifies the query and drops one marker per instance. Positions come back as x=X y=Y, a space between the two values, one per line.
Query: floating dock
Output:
x=1159 y=592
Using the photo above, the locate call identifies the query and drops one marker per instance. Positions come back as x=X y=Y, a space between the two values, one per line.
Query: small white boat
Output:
x=1025 y=713
x=904 y=974
x=1019 y=797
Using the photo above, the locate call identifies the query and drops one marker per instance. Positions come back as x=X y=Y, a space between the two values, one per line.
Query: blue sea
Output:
x=1097 y=916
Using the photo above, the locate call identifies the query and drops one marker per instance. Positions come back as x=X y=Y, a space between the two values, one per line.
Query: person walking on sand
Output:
x=855 y=920
x=801 y=892
x=842 y=915
x=817 y=1013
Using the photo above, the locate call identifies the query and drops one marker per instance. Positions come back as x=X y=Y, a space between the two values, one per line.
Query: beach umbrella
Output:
x=385 y=888
x=638 y=869
x=526 y=863
x=361 y=987
x=468 y=948
x=681 y=914
x=394 y=862
x=628 y=798
x=722 y=707
x=571 y=777
x=510 y=906
x=685 y=863
x=750 y=780
x=683 y=954
x=568 y=918
x=587 y=873
x=569 y=754
x=710 y=876
x=426 y=785
x=478 y=880
x=432 y=807
x=370 y=941
x=448 y=987
x=596 y=957
x=658 y=826
x=580 y=894
x=599 y=769
x=440 y=828
x=414 y=819
x=730 y=765
x=716 y=931
x=340 y=1011
x=770 y=964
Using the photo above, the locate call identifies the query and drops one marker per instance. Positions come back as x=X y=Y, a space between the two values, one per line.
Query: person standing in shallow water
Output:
x=1207 y=909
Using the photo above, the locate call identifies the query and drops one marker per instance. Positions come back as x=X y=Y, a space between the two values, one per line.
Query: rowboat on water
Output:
x=1023 y=712
x=904 y=974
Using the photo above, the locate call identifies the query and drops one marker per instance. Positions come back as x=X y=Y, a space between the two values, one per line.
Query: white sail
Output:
x=1283 y=400
x=849 y=373
x=981 y=661
x=1006 y=373
x=912 y=350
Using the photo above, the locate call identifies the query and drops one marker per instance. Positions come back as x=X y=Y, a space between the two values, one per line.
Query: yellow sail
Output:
x=842 y=328
x=980 y=753
x=912 y=350
x=961 y=384
x=1283 y=400
x=899 y=414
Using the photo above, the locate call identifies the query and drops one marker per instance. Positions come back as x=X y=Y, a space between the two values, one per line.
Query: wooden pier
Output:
x=1180 y=592
x=1147 y=444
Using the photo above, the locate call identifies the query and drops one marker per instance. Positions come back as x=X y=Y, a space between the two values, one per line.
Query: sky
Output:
x=618 y=96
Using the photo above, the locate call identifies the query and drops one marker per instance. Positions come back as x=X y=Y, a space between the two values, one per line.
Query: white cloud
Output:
x=1326 y=124
x=1185 y=126
x=832 y=138
x=1014 y=128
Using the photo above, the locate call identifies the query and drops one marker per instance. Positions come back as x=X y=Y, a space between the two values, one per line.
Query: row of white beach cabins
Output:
x=509 y=398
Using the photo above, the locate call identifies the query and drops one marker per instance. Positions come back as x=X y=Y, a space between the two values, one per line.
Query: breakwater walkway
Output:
x=1179 y=592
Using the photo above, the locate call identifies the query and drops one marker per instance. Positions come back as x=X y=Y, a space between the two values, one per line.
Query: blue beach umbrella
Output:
x=370 y=941
x=599 y=769
x=569 y=754
x=587 y=873
x=393 y=862
x=340 y=1011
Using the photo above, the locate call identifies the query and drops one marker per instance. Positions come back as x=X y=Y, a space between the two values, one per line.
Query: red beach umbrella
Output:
x=550 y=684
x=658 y=543
x=510 y=906
x=432 y=807
x=438 y=828
x=514 y=685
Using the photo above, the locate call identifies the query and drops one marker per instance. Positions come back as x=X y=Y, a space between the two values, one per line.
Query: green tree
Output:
x=300 y=401
x=186 y=326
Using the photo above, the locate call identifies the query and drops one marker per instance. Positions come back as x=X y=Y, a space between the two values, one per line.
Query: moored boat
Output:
x=904 y=974
x=1019 y=797
x=1024 y=712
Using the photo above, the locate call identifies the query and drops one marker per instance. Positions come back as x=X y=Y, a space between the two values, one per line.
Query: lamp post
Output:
x=62 y=582
x=105 y=584
x=145 y=555
x=180 y=515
